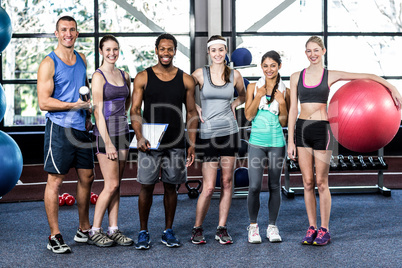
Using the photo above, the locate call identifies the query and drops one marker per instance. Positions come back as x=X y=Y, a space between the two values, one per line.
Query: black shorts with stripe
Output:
x=66 y=148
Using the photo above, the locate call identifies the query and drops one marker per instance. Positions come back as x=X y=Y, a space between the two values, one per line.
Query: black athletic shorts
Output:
x=120 y=142
x=66 y=148
x=220 y=146
x=314 y=134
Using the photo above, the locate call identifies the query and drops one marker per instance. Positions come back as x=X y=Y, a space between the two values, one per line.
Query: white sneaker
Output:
x=273 y=234
x=254 y=234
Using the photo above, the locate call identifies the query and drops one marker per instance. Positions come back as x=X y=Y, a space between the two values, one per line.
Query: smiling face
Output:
x=66 y=33
x=110 y=51
x=314 y=52
x=165 y=52
x=270 y=68
x=217 y=53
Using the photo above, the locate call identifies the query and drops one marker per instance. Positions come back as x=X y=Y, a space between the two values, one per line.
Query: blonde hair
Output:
x=317 y=40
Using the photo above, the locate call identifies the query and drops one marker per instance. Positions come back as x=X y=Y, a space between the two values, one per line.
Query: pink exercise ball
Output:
x=363 y=116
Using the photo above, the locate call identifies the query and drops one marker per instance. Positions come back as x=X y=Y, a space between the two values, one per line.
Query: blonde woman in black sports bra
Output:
x=313 y=137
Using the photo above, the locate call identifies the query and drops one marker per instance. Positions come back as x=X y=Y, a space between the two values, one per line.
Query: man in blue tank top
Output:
x=163 y=88
x=67 y=141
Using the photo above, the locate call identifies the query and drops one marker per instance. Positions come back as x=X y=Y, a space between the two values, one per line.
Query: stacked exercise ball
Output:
x=3 y=103
x=10 y=163
x=363 y=116
x=5 y=29
x=241 y=57
x=10 y=154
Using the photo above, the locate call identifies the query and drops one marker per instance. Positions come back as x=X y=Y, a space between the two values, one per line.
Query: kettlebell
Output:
x=193 y=192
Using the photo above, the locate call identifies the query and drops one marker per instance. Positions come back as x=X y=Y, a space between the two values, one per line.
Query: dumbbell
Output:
x=94 y=198
x=371 y=160
x=292 y=166
x=381 y=160
x=62 y=201
x=343 y=164
x=332 y=163
x=352 y=162
x=364 y=165
x=70 y=200
x=193 y=192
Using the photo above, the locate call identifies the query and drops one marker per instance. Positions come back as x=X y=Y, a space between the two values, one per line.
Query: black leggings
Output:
x=258 y=158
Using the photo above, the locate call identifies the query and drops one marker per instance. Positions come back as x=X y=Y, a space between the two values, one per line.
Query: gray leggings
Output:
x=258 y=158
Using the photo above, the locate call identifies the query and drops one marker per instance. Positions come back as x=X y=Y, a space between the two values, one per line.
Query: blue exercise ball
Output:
x=10 y=163
x=241 y=177
x=3 y=103
x=227 y=59
x=241 y=57
x=6 y=30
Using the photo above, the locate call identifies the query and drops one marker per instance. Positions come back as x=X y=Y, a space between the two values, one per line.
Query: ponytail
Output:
x=278 y=78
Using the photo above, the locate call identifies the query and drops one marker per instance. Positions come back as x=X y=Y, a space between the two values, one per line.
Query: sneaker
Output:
x=197 y=237
x=144 y=241
x=100 y=239
x=273 y=234
x=57 y=245
x=120 y=238
x=169 y=239
x=323 y=237
x=310 y=236
x=80 y=236
x=222 y=235
x=254 y=234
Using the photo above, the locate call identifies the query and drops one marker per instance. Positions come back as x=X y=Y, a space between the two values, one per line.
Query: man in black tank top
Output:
x=163 y=88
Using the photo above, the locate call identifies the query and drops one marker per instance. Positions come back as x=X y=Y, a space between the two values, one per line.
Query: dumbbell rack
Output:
x=290 y=192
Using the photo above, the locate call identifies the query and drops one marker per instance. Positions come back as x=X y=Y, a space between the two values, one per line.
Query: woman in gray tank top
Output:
x=218 y=133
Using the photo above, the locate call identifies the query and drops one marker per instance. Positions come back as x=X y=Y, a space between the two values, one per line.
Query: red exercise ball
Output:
x=363 y=116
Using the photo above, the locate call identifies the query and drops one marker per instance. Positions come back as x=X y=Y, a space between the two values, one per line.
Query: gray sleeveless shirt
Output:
x=215 y=102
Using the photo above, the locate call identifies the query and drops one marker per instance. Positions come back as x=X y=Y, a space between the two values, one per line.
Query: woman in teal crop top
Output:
x=312 y=147
x=267 y=105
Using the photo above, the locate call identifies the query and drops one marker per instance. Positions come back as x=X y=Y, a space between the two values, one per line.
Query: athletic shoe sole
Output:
x=170 y=245
x=60 y=251
x=217 y=238
x=142 y=247
x=80 y=239
x=321 y=244
x=255 y=242
x=90 y=242
x=199 y=242
x=275 y=240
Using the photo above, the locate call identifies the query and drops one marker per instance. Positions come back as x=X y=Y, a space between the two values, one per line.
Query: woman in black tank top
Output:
x=311 y=87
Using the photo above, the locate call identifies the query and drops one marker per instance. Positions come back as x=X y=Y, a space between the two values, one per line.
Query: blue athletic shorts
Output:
x=170 y=163
x=66 y=148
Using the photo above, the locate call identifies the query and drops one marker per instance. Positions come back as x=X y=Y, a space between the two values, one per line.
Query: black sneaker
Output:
x=197 y=237
x=222 y=235
x=57 y=245
x=80 y=236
